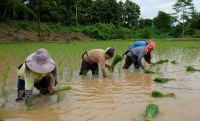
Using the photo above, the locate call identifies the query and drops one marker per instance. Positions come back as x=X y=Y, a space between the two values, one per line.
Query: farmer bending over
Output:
x=39 y=70
x=135 y=56
x=91 y=59
x=137 y=44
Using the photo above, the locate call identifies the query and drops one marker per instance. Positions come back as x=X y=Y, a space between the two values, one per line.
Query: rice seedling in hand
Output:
x=174 y=62
x=151 y=111
x=159 y=94
x=116 y=60
x=151 y=72
x=161 y=62
x=190 y=68
x=162 y=80
x=58 y=91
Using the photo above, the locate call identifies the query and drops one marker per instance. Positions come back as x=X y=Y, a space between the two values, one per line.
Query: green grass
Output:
x=68 y=56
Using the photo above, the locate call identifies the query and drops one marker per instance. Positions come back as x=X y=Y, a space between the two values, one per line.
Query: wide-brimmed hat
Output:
x=40 y=62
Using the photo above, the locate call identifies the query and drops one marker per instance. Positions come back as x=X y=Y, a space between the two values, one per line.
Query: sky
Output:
x=150 y=8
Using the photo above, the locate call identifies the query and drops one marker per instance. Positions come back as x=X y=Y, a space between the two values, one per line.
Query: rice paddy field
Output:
x=123 y=96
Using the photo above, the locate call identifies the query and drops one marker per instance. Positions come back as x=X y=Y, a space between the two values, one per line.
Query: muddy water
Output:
x=120 y=97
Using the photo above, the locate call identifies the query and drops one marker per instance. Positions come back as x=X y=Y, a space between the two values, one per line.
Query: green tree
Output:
x=145 y=23
x=84 y=12
x=163 y=21
x=195 y=20
x=131 y=13
x=15 y=9
x=184 y=9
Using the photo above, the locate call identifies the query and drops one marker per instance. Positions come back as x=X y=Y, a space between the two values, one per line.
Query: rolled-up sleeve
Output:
x=29 y=81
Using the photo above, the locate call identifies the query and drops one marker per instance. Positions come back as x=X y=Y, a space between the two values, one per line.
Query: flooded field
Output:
x=123 y=96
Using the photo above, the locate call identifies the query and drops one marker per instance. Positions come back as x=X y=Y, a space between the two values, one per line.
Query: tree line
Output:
x=184 y=22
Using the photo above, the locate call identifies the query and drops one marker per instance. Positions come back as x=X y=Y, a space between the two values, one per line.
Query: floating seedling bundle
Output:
x=116 y=60
x=161 y=61
x=162 y=80
x=151 y=111
x=174 y=62
x=190 y=68
x=151 y=72
x=159 y=94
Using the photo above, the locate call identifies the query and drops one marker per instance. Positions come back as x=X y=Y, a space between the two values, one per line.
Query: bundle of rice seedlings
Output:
x=174 y=62
x=161 y=61
x=58 y=91
x=159 y=94
x=151 y=111
x=151 y=72
x=190 y=68
x=163 y=80
x=116 y=60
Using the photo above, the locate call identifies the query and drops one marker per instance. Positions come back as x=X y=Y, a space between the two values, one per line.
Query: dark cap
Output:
x=110 y=51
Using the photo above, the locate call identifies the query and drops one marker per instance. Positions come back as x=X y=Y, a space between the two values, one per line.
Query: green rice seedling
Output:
x=28 y=105
x=163 y=80
x=174 y=62
x=58 y=91
x=158 y=68
x=5 y=93
x=119 y=69
x=60 y=71
x=116 y=60
x=190 y=68
x=161 y=61
x=159 y=94
x=151 y=72
x=151 y=111
x=58 y=95
x=70 y=74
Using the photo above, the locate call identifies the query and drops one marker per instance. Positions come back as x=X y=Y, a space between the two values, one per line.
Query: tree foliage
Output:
x=163 y=21
x=184 y=10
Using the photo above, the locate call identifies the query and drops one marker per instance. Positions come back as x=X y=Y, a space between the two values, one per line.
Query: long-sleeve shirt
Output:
x=137 y=54
x=96 y=56
x=137 y=44
x=31 y=77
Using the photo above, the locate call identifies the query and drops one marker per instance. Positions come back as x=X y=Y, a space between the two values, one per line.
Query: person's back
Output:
x=137 y=44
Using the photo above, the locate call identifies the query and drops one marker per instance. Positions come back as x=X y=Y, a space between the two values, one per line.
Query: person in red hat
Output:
x=39 y=70
x=135 y=56
x=91 y=59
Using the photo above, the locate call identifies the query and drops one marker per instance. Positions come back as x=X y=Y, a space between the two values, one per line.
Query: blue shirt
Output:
x=137 y=44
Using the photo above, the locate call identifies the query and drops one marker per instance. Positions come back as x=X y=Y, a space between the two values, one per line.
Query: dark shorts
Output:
x=85 y=67
x=42 y=85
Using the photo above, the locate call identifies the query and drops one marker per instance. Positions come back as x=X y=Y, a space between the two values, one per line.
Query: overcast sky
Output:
x=150 y=8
